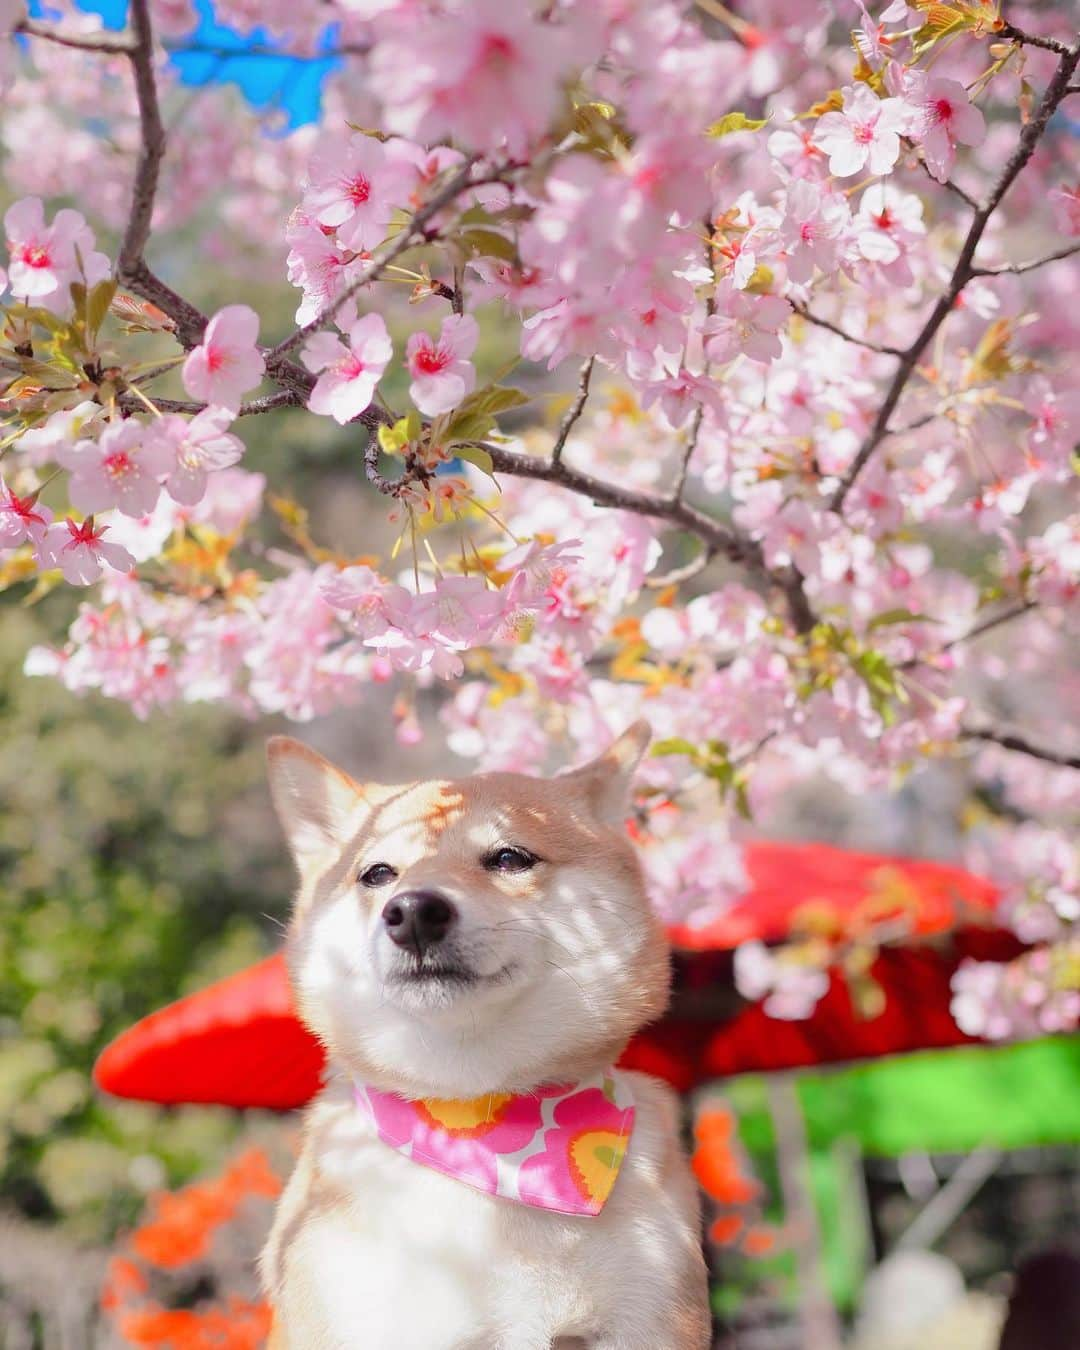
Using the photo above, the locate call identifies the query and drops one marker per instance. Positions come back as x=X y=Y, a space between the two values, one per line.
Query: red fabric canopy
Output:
x=239 y=1043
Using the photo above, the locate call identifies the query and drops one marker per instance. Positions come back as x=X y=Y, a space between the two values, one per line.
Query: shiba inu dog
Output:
x=475 y=954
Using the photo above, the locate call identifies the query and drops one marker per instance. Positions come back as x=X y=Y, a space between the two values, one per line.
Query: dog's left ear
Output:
x=606 y=780
x=318 y=804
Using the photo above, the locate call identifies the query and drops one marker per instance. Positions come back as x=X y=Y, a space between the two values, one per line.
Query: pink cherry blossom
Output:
x=745 y=324
x=441 y=372
x=45 y=259
x=943 y=117
x=887 y=225
x=864 y=135
x=365 y=597
x=81 y=551
x=233 y=498
x=194 y=447
x=790 y=986
x=227 y=363
x=354 y=187
x=144 y=537
x=22 y=519
x=813 y=223
x=485 y=73
x=123 y=468
x=318 y=265
x=1065 y=201
x=348 y=374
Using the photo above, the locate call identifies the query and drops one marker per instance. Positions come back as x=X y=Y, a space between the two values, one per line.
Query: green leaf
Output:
x=475 y=416
x=98 y=303
x=891 y=616
x=735 y=121
x=373 y=132
x=482 y=243
x=675 y=745
x=476 y=454
x=392 y=440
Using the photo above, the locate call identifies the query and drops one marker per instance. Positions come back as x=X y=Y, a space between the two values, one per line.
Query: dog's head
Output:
x=458 y=937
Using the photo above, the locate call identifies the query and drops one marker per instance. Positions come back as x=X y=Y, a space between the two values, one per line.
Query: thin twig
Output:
x=1019 y=268
x=677 y=575
x=1024 y=39
x=106 y=42
x=946 y=183
x=962 y=272
x=573 y=413
x=880 y=347
x=284 y=398
x=1020 y=744
x=688 y=453
x=986 y=626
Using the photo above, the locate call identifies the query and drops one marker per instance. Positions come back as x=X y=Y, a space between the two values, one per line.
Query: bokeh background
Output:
x=140 y=861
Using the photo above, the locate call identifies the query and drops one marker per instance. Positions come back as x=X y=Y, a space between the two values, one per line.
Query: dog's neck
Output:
x=466 y=1083
x=559 y=1147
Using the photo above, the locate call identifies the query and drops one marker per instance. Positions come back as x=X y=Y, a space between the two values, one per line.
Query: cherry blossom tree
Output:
x=809 y=504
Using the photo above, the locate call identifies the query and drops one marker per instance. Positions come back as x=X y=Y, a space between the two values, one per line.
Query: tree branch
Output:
x=816 y=319
x=574 y=412
x=152 y=143
x=962 y=272
x=947 y=183
x=285 y=398
x=1017 y=35
x=681 y=574
x=1020 y=745
x=714 y=534
x=1019 y=268
x=986 y=626
x=106 y=42
x=688 y=453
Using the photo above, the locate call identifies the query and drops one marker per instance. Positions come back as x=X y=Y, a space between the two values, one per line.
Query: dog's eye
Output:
x=378 y=874
x=510 y=860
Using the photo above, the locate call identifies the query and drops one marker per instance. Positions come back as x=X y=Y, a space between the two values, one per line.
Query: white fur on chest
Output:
x=416 y=1260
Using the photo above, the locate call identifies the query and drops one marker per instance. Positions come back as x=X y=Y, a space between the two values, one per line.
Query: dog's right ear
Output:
x=318 y=804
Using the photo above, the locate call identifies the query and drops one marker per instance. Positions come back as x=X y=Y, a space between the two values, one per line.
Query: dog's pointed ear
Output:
x=318 y=804
x=606 y=780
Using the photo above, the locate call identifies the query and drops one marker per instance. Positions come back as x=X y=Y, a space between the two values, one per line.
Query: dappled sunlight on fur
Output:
x=546 y=971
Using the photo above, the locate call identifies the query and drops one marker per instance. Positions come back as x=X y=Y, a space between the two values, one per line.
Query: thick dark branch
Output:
x=152 y=143
x=574 y=412
x=188 y=321
x=1018 y=268
x=816 y=319
x=410 y=234
x=107 y=42
x=962 y=272
x=1021 y=745
x=714 y=534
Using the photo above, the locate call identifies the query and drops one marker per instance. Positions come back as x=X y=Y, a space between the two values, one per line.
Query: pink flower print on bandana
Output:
x=559 y=1148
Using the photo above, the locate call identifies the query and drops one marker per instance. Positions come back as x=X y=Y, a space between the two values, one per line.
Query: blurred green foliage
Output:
x=136 y=862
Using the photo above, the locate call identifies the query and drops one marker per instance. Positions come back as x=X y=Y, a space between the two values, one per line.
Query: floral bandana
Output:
x=559 y=1148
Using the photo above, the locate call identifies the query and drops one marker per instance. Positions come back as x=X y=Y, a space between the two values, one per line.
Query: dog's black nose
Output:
x=418 y=919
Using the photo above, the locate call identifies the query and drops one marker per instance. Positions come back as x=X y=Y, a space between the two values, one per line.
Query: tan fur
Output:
x=371 y=1250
